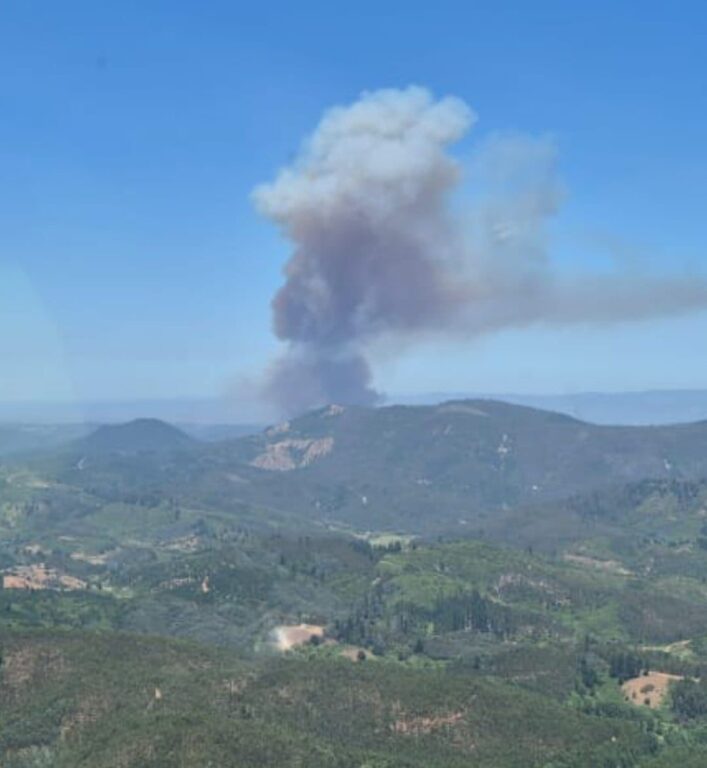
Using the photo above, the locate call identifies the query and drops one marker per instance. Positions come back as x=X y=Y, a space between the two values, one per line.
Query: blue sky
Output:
x=132 y=262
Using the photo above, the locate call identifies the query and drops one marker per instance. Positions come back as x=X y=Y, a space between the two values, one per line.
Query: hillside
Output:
x=499 y=451
x=133 y=437
x=100 y=701
x=464 y=466
x=420 y=467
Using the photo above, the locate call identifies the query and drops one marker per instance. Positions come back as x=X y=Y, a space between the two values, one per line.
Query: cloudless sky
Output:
x=132 y=263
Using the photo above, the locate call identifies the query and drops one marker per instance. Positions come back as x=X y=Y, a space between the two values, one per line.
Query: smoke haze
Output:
x=381 y=249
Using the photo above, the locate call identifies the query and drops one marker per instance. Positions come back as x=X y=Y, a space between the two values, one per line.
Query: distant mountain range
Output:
x=212 y=418
x=621 y=408
x=184 y=410
x=27 y=438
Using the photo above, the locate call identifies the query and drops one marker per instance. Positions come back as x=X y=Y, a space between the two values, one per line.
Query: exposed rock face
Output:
x=290 y=454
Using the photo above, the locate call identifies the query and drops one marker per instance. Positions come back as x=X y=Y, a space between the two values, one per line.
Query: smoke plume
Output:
x=381 y=247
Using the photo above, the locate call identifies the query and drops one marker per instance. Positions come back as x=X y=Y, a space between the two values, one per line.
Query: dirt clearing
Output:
x=648 y=690
x=39 y=577
x=288 y=637
x=608 y=566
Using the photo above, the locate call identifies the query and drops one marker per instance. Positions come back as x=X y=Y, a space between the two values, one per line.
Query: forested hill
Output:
x=138 y=436
x=413 y=468
x=412 y=462
x=471 y=442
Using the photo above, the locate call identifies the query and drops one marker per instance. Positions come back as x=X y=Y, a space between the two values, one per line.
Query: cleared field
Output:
x=648 y=690
x=287 y=637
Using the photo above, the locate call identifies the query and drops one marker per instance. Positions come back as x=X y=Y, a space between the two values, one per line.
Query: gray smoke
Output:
x=381 y=248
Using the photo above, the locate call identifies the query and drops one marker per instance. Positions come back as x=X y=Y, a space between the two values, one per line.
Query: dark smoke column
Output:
x=365 y=208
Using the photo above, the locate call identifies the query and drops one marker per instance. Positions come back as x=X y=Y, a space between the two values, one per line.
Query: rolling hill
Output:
x=133 y=437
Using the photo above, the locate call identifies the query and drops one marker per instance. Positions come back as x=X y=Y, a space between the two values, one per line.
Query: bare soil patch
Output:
x=288 y=637
x=354 y=653
x=419 y=726
x=286 y=455
x=609 y=566
x=85 y=557
x=39 y=577
x=648 y=690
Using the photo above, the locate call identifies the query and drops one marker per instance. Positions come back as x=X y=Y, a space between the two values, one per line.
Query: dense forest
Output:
x=167 y=602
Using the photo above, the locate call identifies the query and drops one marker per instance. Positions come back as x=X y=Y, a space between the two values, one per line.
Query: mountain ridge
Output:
x=414 y=469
